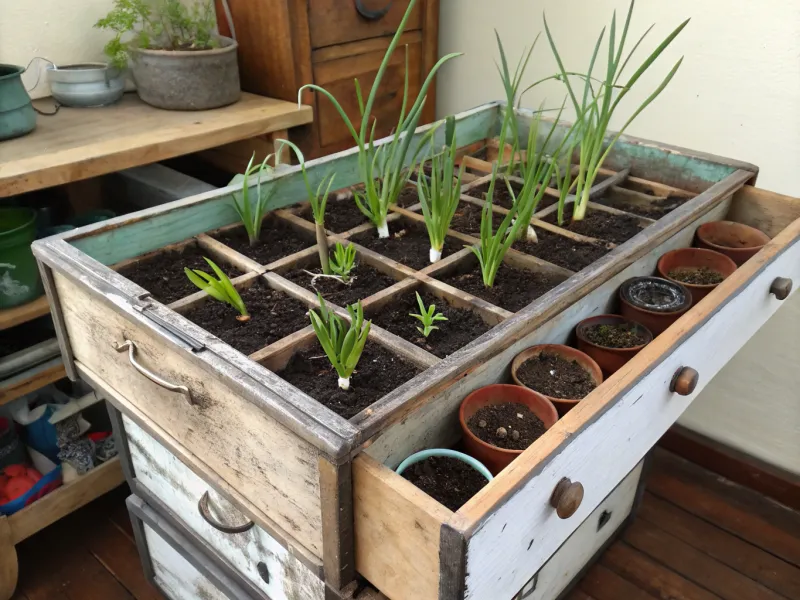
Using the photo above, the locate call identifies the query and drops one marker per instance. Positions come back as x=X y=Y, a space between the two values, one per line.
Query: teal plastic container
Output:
x=17 y=116
x=19 y=275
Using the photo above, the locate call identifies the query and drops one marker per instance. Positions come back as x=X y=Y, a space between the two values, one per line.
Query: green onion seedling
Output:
x=343 y=260
x=427 y=317
x=343 y=344
x=219 y=288
x=253 y=216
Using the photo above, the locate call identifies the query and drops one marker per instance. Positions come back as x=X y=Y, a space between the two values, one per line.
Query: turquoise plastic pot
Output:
x=17 y=116
x=444 y=452
x=19 y=275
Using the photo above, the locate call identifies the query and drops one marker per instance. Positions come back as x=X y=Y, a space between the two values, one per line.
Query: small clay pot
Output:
x=496 y=459
x=610 y=359
x=696 y=258
x=563 y=405
x=654 y=302
x=737 y=241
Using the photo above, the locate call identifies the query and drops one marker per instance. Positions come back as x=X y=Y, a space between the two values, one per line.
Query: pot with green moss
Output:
x=611 y=340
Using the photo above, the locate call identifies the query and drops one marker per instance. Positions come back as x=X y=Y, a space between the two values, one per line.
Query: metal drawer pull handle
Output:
x=202 y=506
x=684 y=381
x=566 y=498
x=372 y=15
x=781 y=288
x=131 y=347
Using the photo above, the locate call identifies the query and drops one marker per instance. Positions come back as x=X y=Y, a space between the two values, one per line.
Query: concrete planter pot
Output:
x=187 y=79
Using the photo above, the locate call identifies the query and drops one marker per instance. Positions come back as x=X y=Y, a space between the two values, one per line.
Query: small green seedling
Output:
x=343 y=344
x=253 y=216
x=220 y=288
x=343 y=260
x=427 y=317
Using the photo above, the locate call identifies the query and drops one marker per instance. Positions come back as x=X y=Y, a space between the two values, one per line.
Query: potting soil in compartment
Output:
x=273 y=316
x=162 y=274
x=364 y=281
x=554 y=376
x=408 y=197
x=278 y=239
x=655 y=209
x=462 y=326
x=696 y=275
x=467 y=219
x=622 y=335
x=448 y=480
x=511 y=426
x=501 y=195
x=340 y=214
x=561 y=250
x=407 y=243
x=378 y=373
x=513 y=288
x=601 y=225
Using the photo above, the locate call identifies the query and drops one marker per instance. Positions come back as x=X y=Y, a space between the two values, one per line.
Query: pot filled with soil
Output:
x=563 y=374
x=449 y=477
x=654 y=302
x=499 y=421
x=737 y=241
x=698 y=269
x=611 y=340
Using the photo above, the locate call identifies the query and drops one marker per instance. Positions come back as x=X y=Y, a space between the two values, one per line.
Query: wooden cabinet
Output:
x=284 y=44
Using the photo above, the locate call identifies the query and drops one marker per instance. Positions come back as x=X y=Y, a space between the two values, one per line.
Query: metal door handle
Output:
x=202 y=506
x=131 y=347
x=372 y=15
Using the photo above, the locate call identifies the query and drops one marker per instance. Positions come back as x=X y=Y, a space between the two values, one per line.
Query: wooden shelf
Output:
x=31 y=380
x=11 y=317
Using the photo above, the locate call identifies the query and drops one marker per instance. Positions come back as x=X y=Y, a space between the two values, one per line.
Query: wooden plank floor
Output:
x=696 y=537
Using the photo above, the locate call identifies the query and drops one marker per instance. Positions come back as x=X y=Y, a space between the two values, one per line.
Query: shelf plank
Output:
x=11 y=317
x=66 y=499
x=31 y=380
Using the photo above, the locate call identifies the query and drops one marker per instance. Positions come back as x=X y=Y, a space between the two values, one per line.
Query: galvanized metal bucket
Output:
x=17 y=116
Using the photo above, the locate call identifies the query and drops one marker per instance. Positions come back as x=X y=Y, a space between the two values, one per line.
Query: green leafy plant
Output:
x=159 y=24
x=343 y=344
x=427 y=317
x=219 y=288
x=600 y=99
x=441 y=193
x=252 y=215
x=343 y=260
x=382 y=170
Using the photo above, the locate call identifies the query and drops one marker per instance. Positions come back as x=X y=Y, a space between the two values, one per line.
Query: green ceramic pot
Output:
x=17 y=116
x=19 y=275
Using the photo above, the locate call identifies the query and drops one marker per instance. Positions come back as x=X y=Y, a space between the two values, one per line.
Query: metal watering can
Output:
x=17 y=116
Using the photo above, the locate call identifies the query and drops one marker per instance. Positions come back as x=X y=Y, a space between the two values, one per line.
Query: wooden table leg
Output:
x=8 y=561
x=85 y=195
x=282 y=156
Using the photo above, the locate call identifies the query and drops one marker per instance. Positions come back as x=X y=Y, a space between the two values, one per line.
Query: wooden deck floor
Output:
x=696 y=537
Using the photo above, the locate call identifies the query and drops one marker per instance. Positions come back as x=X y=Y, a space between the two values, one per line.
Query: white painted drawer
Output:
x=256 y=555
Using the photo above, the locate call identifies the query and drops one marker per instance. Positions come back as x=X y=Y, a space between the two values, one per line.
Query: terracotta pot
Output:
x=563 y=405
x=695 y=258
x=737 y=241
x=636 y=308
x=496 y=459
x=609 y=359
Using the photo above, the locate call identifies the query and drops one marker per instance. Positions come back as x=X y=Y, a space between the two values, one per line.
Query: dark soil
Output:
x=408 y=197
x=510 y=426
x=407 y=244
x=447 y=480
x=273 y=316
x=622 y=335
x=551 y=375
x=467 y=219
x=562 y=251
x=364 y=282
x=378 y=373
x=513 y=288
x=278 y=239
x=602 y=225
x=696 y=275
x=340 y=215
x=462 y=326
x=501 y=195
x=655 y=210
x=163 y=276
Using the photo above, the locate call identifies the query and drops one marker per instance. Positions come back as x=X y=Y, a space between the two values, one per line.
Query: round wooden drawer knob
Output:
x=685 y=381
x=566 y=498
x=781 y=287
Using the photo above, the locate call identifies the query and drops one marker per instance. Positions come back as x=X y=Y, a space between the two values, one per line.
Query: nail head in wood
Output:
x=566 y=498
x=781 y=288
x=685 y=381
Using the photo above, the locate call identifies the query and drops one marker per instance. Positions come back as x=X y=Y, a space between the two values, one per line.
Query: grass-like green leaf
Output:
x=343 y=260
x=219 y=288
x=427 y=317
x=252 y=214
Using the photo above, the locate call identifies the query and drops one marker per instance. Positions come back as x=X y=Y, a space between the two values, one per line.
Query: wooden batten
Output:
x=658 y=189
x=569 y=234
x=184 y=305
x=643 y=221
x=237 y=259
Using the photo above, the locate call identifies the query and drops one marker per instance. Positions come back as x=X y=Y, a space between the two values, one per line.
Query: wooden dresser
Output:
x=284 y=44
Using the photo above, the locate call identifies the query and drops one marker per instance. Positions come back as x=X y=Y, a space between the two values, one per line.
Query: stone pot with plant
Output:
x=177 y=59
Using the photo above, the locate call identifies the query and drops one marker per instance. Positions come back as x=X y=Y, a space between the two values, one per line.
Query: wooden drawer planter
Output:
x=321 y=485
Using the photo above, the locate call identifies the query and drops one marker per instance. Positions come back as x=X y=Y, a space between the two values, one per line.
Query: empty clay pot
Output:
x=563 y=405
x=654 y=302
x=496 y=459
x=696 y=258
x=610 y=359
x=735 y=240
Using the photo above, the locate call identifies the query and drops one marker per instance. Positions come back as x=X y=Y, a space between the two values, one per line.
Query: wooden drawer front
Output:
x=338 y=21
x=337 y=77
x=277 y=472
x=250 y=553
x=501 y=557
